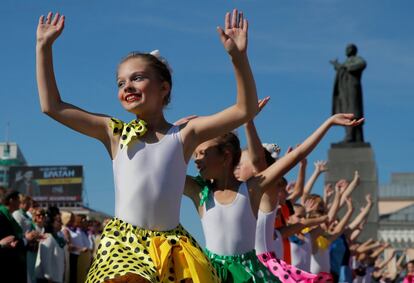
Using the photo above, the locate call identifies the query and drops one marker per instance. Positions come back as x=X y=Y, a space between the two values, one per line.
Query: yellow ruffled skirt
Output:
x=158 y=256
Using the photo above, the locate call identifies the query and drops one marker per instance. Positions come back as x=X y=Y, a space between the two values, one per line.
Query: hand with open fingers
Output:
x=341 y=185
x=310 y=205
x=345 y=119
x=184 y=120
x=263 y=102
x=50 y=28
x=234 y=35
x=321 y=166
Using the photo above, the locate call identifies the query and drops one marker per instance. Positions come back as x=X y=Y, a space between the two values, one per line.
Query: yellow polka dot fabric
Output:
x=128 y=131
x=159 y=257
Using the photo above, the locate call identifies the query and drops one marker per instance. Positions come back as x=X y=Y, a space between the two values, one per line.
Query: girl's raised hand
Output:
x=50 y=28
x=263 y=102
x=321 y=166
x=234 y=35
x=345 y=119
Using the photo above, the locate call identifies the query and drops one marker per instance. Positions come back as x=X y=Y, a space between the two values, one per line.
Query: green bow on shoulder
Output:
x=205 y=191
x=129 y=132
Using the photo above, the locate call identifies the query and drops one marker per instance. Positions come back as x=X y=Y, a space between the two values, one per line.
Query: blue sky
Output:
x=290 y=44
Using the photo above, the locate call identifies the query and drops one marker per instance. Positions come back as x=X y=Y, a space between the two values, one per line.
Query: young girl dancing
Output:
x=228 y=208
x=269 y=241
x=145 y=242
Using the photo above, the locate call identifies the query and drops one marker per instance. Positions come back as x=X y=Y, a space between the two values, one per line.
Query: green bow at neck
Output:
x=129 y=132
x=205 y=188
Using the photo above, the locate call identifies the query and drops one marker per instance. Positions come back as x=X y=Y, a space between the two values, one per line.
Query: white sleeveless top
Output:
x=265 y=231
x=301 y=253
x=278 y=244
x=149 y=182
x=320 y=261
x=229 y=229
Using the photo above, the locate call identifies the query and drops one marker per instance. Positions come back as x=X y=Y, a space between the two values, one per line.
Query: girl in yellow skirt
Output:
x=145 y=242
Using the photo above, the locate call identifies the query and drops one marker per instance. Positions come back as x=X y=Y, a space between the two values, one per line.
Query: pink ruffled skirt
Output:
x=289 y=273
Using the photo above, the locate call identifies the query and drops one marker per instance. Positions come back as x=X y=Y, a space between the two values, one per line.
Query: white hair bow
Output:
x=273 y=149
x=156 y=53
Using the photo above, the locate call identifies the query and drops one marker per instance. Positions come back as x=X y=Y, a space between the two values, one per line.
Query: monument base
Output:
x=343 y=160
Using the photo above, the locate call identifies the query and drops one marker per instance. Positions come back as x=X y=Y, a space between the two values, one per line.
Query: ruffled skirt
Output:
x=157 y=256
x=240 y=268
x=289 y=273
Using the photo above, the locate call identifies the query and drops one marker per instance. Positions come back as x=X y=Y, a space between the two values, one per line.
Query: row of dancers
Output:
x=236 y=194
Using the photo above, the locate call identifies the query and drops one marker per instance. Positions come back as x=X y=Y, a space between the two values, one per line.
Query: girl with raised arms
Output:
x=145 y=242
x=229 y=208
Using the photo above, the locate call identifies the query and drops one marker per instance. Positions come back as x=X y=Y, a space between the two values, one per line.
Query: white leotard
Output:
x=149 y=182
x=301 y=253
x=320 y=261
x=229 y=229
x=264 y=231
x=278 y=248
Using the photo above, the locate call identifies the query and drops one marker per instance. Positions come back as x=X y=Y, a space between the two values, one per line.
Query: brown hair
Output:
x=159 y=67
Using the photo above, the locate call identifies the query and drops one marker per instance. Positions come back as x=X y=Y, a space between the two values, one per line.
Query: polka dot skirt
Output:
x=289 y=273
x=125 y=249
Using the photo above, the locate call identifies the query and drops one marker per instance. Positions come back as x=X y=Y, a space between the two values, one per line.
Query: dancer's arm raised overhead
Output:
x=254 y=144
x=200 y=129
x=340 y=227
x=363 y=214
x=333 y=210
x=320 y=167
x=94 y=125
x=265 y=179
x=299 y=184
x=350 y=188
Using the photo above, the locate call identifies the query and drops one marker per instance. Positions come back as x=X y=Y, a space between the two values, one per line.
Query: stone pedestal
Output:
x=343 y=160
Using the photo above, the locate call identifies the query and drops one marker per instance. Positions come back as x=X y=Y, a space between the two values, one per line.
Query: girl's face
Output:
x=209 y=161
x=39 y=217
x=57 y=223
x=410 y=268
x=139 y=88
x=244 y=170
x=300 y=214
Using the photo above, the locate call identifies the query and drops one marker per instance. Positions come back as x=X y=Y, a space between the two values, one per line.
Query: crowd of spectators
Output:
x=44 y=245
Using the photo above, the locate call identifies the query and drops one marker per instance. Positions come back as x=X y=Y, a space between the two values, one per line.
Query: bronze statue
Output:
x=347 y=93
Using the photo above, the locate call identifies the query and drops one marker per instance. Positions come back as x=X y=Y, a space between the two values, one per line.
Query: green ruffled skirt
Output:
x=244 y=268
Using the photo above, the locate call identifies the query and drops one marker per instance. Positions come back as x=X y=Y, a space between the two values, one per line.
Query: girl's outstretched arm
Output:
x=234 y=40
x=254 y=144
x=320 y=167
x=299 y=184
x=265 y=179
x=351 y=187
x=363 y=214
x=94 y=125
x=340 y=227
x=333 y=210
